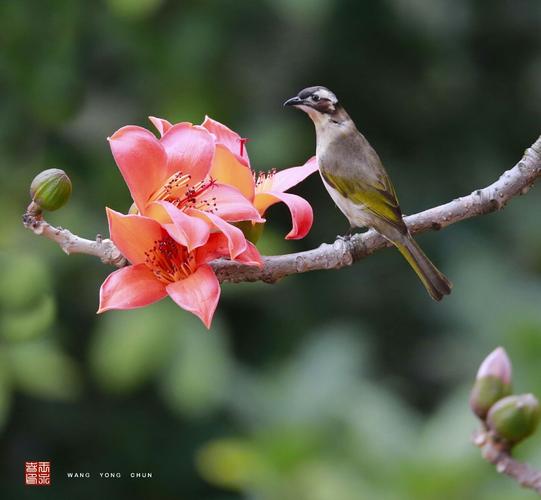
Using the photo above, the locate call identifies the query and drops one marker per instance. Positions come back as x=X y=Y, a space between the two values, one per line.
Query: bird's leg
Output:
x=348 y=235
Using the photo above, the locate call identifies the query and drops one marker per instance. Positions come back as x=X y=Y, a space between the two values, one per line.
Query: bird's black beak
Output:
x=294 y=101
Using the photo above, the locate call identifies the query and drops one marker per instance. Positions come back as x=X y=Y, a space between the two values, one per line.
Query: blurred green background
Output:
x=343 y=385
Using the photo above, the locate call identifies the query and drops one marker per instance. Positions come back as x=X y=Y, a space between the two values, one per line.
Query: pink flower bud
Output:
x=493 y=382
x=496 y=364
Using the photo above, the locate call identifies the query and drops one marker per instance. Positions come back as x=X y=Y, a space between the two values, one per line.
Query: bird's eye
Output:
x=315 y=98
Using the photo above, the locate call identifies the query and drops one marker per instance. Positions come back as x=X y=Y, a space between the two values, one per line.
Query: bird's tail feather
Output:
x=435 y=282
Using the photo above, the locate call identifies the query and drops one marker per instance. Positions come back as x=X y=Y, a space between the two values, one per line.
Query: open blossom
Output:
x=270 y=188
x=161 y=266
x=263 y=189
x=191 y=188
x=186 y=169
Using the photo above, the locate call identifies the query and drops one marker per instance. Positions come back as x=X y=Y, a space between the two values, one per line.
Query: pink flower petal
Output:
x=286 y=179
x=162 y=125
x=191 y=232
x=198 y=293
x=231 y=140
x=142 y=161
x=251 y=256
x=235 y=237
x=130 y=287
x=217 y=247
x=230 y=204
x=157 y=212
x=189 y=149
x=302 y=215
x=227 y=169
x=133 y=234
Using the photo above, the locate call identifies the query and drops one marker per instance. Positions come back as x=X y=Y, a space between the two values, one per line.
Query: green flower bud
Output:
x=487 y=391
x=50 y=189
x=493 y=382
x=252 y=232
x=514 y=418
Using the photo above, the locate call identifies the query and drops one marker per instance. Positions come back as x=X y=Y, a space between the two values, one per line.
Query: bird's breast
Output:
x=356 y=213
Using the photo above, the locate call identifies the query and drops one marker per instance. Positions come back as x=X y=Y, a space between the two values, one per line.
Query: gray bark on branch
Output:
x=71 y=243
x=497 y=453
x=514 y=182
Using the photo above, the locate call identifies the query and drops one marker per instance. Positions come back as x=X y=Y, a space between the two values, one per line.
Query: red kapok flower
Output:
x=161 y=266
x=264 y=190
x=230 y=164
x=187 y=170
x=270 y=188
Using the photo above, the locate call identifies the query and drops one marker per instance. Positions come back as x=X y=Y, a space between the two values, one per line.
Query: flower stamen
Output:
x=243 y=141
x=192 y=195
x=264 y=180
x=179 y=193
x=176 y=182
x=169 y=261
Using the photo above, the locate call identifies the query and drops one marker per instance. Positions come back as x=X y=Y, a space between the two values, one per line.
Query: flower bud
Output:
x=493 y=382
x=50 y=189
x=515 y=417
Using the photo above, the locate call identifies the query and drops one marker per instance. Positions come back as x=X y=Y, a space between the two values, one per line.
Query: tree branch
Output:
x=497 y=453
x=514 y=182
x=71 y=243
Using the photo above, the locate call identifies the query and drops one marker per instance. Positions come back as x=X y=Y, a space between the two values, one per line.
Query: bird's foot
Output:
x=344 y=237
x=347 y=237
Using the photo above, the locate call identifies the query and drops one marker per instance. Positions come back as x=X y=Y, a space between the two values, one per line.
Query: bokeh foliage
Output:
x=337 y=385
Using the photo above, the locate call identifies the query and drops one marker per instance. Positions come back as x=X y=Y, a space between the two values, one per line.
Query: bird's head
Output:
x=319 y=103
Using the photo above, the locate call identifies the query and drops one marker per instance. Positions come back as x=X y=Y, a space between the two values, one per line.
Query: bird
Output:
x=357 y=181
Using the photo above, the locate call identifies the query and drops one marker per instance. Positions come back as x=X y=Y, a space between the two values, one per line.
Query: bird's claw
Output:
x=348 y=236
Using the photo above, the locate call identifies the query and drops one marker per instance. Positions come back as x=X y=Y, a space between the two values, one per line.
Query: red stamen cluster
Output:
x=178 y=192
x=192 y=198
x=169 y=261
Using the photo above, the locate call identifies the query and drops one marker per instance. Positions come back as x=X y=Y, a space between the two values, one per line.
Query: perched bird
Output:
x=358 y=183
